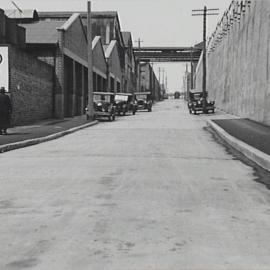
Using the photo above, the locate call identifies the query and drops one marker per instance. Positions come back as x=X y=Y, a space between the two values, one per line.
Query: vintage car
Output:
x=104 y=105
x=196 y=103
x=125 y=103
x=144 y=101
x=176 y=95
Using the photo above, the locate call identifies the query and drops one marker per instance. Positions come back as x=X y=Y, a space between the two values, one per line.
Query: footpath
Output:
x=21 y=136
x=248 y=137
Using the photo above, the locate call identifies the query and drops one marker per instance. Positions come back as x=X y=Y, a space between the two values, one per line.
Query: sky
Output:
x=155 y=22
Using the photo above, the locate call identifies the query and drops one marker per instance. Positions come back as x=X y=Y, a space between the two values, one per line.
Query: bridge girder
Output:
x=167 y=54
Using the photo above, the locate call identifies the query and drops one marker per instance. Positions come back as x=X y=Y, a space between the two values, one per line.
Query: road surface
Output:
x=153 y=191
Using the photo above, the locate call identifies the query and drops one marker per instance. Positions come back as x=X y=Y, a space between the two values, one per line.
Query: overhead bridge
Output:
x=168 y=54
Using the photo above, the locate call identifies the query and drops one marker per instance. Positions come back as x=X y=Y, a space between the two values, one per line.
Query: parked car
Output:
x=124 y=103
x=195 y=103
x=144 y=101
x=176 y=95
x=104 y=105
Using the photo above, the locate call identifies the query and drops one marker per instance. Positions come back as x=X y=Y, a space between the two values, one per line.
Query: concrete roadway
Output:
x=152 y=191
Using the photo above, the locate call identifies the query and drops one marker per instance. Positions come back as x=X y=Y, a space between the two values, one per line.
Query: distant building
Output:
x=129 y=75
x=149 y=81
x=114 y=76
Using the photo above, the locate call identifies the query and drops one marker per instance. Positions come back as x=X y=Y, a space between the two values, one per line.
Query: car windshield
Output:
x=121 y=98
x=99 y=97
x=141 y=97
x=196 y=96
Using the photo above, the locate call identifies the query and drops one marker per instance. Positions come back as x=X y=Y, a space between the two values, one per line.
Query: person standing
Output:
x=5 y=111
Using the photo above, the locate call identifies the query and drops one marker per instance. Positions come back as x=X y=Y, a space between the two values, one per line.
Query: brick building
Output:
x=100 y=68
x=63 y=45
x=129 y=84
x=149 y=81
x=28 y=80
x=106 y=25
x=114 y=67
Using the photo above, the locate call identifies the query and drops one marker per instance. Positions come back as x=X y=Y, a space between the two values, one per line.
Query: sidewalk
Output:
x=21 y=136
x=249 y=137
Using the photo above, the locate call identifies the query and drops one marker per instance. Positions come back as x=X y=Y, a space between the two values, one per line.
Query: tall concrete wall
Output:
x=238 y=70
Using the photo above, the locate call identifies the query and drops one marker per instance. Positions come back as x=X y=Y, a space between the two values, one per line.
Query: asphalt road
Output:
x=152 y=191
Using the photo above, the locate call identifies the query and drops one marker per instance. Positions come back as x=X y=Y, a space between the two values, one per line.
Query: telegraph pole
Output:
x=163 y=82
x=90 y=106
x=139 y=63
x=204 y=13
x=191 y=69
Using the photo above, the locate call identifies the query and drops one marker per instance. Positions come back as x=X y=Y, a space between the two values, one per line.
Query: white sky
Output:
x=156 y=22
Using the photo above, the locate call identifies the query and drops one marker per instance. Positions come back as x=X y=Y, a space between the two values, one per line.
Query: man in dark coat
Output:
x=5 y=111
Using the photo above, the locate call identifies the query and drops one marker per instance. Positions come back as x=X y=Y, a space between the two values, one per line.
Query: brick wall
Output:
x=31 y=87
x=75 y=39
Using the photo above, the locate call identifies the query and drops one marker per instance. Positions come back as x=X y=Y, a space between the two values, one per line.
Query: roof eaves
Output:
x=95 y=42
x=110 y=48
x=69 y=22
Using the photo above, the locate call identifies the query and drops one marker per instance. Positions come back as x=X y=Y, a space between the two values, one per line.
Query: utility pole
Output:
x=159 y=86
x=163 y=71
x=204 y=13
x=139 y=62
x=191 y=69
x=90 y=107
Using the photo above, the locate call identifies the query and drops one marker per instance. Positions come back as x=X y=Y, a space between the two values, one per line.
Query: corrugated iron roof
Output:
x=23 y=14
x=63 y=14
x=42 y=32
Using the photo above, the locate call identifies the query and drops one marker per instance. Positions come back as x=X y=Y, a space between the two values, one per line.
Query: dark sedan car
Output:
x=124 y=103
x=196 y=102
x=104 y=105
x=144 y=101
